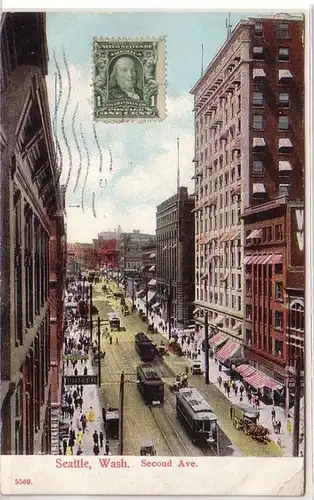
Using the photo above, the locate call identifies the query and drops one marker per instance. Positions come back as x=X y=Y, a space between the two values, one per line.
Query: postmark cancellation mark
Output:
x=129 y=79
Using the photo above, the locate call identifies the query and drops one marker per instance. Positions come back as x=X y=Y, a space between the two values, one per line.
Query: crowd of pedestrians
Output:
x=83 y=431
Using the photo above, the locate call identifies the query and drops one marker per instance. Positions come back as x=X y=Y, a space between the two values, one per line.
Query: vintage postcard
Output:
x=153 y=253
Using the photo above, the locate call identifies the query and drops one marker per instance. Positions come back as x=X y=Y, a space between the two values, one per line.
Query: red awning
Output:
x=228 y=350
x=218 y=339
x=259 y=380
x=200 y=335
x=246 y=259
x=277 y=258
x=255 y=259
x=245 y=370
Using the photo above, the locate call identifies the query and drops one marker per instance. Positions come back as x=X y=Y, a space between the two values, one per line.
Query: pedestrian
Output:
x=219 y=381
x=187 y=370
x=82 y=388
x=278 y=442
x=91 y=415
x=75 y=372
x=273 y=414
x=249 y=397
x=76 y=403
x=84 y=423
x=107 y=447
x=231 y=412
x=241 y=389
x=96 y=449
x=71 y=444
x=225 y=386
x=228 y=390
x=289 y=426
x=101 y=439
x=85 y=370
x=79 y=451
x=234 y=385
x=80 y=403
x=236 y=390
x=258 y=417
x=257 y=402
x=95 y=437
x=79 y=437
x=65 y=444
x=69 y=450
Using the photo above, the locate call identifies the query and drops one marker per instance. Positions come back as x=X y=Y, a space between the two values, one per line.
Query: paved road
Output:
x=141 y=423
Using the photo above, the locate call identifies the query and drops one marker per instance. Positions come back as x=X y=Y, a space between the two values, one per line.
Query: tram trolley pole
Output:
x=206 y=350
x=99 y=352
x=91 y=310
x=121 y=409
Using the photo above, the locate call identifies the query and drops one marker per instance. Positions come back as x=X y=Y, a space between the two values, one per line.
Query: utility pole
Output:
x=169 y=307
x=297 y=395
x=146 y=289
x=91 y=313
x=121 y=408
x=132 y=291
x=99 y=352
x=206 y=350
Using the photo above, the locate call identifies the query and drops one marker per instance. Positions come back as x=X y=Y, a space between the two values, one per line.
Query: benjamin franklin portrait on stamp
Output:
x=129 y=80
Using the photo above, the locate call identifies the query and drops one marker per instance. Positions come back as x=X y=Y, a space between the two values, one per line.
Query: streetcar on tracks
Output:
x=197 y=415
x=150 y=384
x=114 y=321
x=144 y=347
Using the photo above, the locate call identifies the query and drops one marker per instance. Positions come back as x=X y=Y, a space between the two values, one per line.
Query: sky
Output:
x=139 y=160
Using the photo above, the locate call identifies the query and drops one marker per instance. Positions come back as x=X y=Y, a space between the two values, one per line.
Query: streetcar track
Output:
x=155 y=411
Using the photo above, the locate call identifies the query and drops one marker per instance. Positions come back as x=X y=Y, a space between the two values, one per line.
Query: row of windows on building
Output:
x=259 y=52
x=266 y=234
x=33 y=251
x=282 y=30
x=221 y=299
x=219 y=140
x=218 y=182
x=283 y=99
x=258 y=122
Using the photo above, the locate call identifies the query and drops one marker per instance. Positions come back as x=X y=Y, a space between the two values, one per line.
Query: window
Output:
x=258 y=52
x=257 y=167
x=278 y=320
x=283 y=122
x=283 y=99
x=239 y=126
x=284 y=190
x=278 y=348
x=239 y=304
x=239 y=102
x=283 y=54
x=257 y=122
x=278 y=290
x=248 y=287
x=279 y=232
x=269 y=233
x=282 y=30
x=258 y=99
x=248 y=312
x=258 y=29
x=297 y=316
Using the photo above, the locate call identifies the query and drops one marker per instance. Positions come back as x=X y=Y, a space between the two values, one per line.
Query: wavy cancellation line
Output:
x=93 y=206
x=77 y=147
x=87 y=167
x=99 y=148
x=63 y=120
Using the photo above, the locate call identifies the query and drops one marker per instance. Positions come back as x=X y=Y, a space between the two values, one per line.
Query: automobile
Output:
x=196 y=369
x=148 y=448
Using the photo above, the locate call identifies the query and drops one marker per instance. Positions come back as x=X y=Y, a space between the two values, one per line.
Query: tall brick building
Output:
x=249 y=171
x=32 y=244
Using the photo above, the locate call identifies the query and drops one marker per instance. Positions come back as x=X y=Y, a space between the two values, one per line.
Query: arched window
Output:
x=297 y=315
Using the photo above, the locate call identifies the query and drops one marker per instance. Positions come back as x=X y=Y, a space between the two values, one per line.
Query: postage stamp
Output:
x=129 y=79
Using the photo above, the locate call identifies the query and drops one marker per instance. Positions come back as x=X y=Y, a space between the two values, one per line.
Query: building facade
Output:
x=130 y=251
x=175 y=232
x=107 y=248
x=84 y=255
x=148 y=269
x=32 y=244
x=249 y=161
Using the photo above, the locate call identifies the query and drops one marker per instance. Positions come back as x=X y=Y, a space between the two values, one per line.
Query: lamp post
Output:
x=91 y=311
x=99 y=352
x=169 y=307
x=206 y=350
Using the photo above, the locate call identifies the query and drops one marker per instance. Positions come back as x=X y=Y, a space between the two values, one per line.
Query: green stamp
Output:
x=129 y=79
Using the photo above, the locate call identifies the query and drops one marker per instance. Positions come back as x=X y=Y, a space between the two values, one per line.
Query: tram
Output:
x=150 y=384
x=197 y=415
x=145 y=347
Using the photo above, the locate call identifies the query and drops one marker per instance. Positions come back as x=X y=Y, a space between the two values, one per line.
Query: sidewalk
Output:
x=90 y=399
x=285 y=438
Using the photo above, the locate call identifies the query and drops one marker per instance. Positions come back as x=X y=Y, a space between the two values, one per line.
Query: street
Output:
x=160 y=424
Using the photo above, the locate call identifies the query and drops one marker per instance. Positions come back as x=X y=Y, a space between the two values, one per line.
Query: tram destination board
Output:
x=80 y=379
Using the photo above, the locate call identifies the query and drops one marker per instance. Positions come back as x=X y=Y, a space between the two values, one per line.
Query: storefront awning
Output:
x=216 y=321
x=246 y=259
x=217 y=340
x=152 y=268
x=151 y=297
x=200 y=335
x=256 y=233
x=152 y=282
x=237 y=327
x=258 y=73
x=258 y=380
x=230 y=350
x=204 y=277
x=245 y=370
x=152 y=256
x=196 y=310
x=156 y=305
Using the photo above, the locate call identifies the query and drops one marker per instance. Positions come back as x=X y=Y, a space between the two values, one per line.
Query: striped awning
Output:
x=200 y=335
x=245 y=370
x=216 y=321
x=256 y=233
x=152 y=282
x=196 y=310
x=246 y=259
x=258 y=380
x=217 y=340
x=152 y=256
x=231 y=349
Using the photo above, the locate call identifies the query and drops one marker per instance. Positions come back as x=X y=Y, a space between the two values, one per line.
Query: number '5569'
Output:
x=23 y=481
